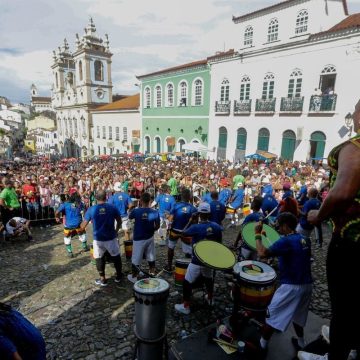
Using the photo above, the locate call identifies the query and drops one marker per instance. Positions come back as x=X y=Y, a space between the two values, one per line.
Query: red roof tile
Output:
x=129 y=103
x=175 y=68
x=221 y=54
x=352 y=21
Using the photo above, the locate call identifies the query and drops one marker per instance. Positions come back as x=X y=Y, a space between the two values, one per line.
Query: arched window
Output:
x=56 y=80
x=80 y=71
x=263 y=139
x=268 y=86
x=110 y=132
x=117 y=133
x=245 y=88
x=147 y=144
x=222 y=138
x=183 y=93
x=288 y=145
x=317 y=145
x=99 y=70
x=181 y=143
x=273 y=30
x=158 y=144
x=241 y=139
x=170 y=95
x=147 y=102
x=328 y=79
x=248 y=36
x=295 y=83
x=198 y=92
x=302 y=22
x=158 y=95
x=75 y=127
x=70 y=127
x=225 y=91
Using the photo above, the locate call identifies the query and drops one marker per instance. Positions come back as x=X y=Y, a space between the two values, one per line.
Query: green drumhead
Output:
x=214 y=255
x=248 y=234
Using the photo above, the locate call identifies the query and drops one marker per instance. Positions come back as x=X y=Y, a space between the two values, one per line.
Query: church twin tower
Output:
x=81 y=82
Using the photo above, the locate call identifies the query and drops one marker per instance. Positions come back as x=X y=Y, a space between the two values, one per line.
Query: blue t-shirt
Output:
x=103 y=218
x=217 y=211
x=311 y=204
x=238 y=198
x=165 y=202
x=207 y=198
x=269 y=203
x=182 y=212
x=267 y=189
x=121 y=201
x=146 y=222
x=18 y=334
x=302 y=195
x=255 y=217
x=224 y=196
x=205 y=230
x=73 y=217
x=294 y=254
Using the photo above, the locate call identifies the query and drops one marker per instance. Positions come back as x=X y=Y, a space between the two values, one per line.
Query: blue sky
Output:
x=145 y=35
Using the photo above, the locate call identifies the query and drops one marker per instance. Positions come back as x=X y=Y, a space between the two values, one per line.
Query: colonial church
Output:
x=81 y=82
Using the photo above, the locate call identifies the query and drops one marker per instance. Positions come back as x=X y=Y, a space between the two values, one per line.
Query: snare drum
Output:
x=181 y=266
x=214 y=255
x=248 y=235
x=255 y=284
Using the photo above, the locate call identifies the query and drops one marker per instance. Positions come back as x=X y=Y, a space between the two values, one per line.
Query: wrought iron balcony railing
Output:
x=320 y=103
x=222 y=107
x=242 y=106
x=294 y=104
x=265 y=105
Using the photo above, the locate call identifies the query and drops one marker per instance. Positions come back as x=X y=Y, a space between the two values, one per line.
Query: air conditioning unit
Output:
x=299 y=133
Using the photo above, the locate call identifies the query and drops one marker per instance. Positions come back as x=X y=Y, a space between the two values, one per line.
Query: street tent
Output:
x=256 y=157
x=195 y=147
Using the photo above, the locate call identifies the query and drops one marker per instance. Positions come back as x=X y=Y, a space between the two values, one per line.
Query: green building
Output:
x=175 y=107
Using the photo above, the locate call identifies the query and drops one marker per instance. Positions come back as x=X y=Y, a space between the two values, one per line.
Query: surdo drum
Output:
x=181 y=266
x=248 y=235
x=150 y=308
x=255 y=284
x=214 y=255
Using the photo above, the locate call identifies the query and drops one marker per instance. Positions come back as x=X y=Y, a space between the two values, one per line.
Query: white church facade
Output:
x=289 y=85
x=81 y=82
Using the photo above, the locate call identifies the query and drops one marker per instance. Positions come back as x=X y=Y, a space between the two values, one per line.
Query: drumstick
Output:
x=222 y=342
x=272 y=211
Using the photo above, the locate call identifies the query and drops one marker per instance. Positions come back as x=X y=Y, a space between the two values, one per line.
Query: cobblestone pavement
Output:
x=79 y=320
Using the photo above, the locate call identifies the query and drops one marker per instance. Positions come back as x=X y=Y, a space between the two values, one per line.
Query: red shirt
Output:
x=30 y=191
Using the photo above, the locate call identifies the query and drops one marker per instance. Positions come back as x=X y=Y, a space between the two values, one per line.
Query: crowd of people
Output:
x=188 y=199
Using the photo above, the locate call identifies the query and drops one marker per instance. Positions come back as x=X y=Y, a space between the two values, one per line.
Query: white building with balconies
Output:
x=290 y=83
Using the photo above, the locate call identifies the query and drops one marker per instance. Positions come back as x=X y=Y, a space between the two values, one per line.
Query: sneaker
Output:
x=70 y=254
x=119 y=278
x=182 y=309
x=303 y=355
x=168 y=269
x=295 y=343
x=132 y=279
x=325 y=332
x=101 y=282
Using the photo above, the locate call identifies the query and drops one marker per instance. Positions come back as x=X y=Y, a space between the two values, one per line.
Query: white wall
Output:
x=121 y=119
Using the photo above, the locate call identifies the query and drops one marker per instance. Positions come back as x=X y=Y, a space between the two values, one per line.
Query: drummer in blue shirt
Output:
x=147 y=221
x=180 y=217
x=208 y=230
x=291 y=300
x=123 y=203
x=217 y=209
x=207 y=196
x=237 y=199
x=165 y=202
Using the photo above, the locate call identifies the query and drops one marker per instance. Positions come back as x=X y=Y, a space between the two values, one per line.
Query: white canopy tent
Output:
x=195 y=147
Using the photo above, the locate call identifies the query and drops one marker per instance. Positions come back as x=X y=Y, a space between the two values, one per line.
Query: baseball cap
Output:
x=117 y=186
x=204 y=208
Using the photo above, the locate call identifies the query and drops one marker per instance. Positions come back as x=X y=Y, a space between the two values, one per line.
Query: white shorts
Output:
x=141 y=247
x=125 y=224
x=289 y=304
x=112 y=246
x=193 y=272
